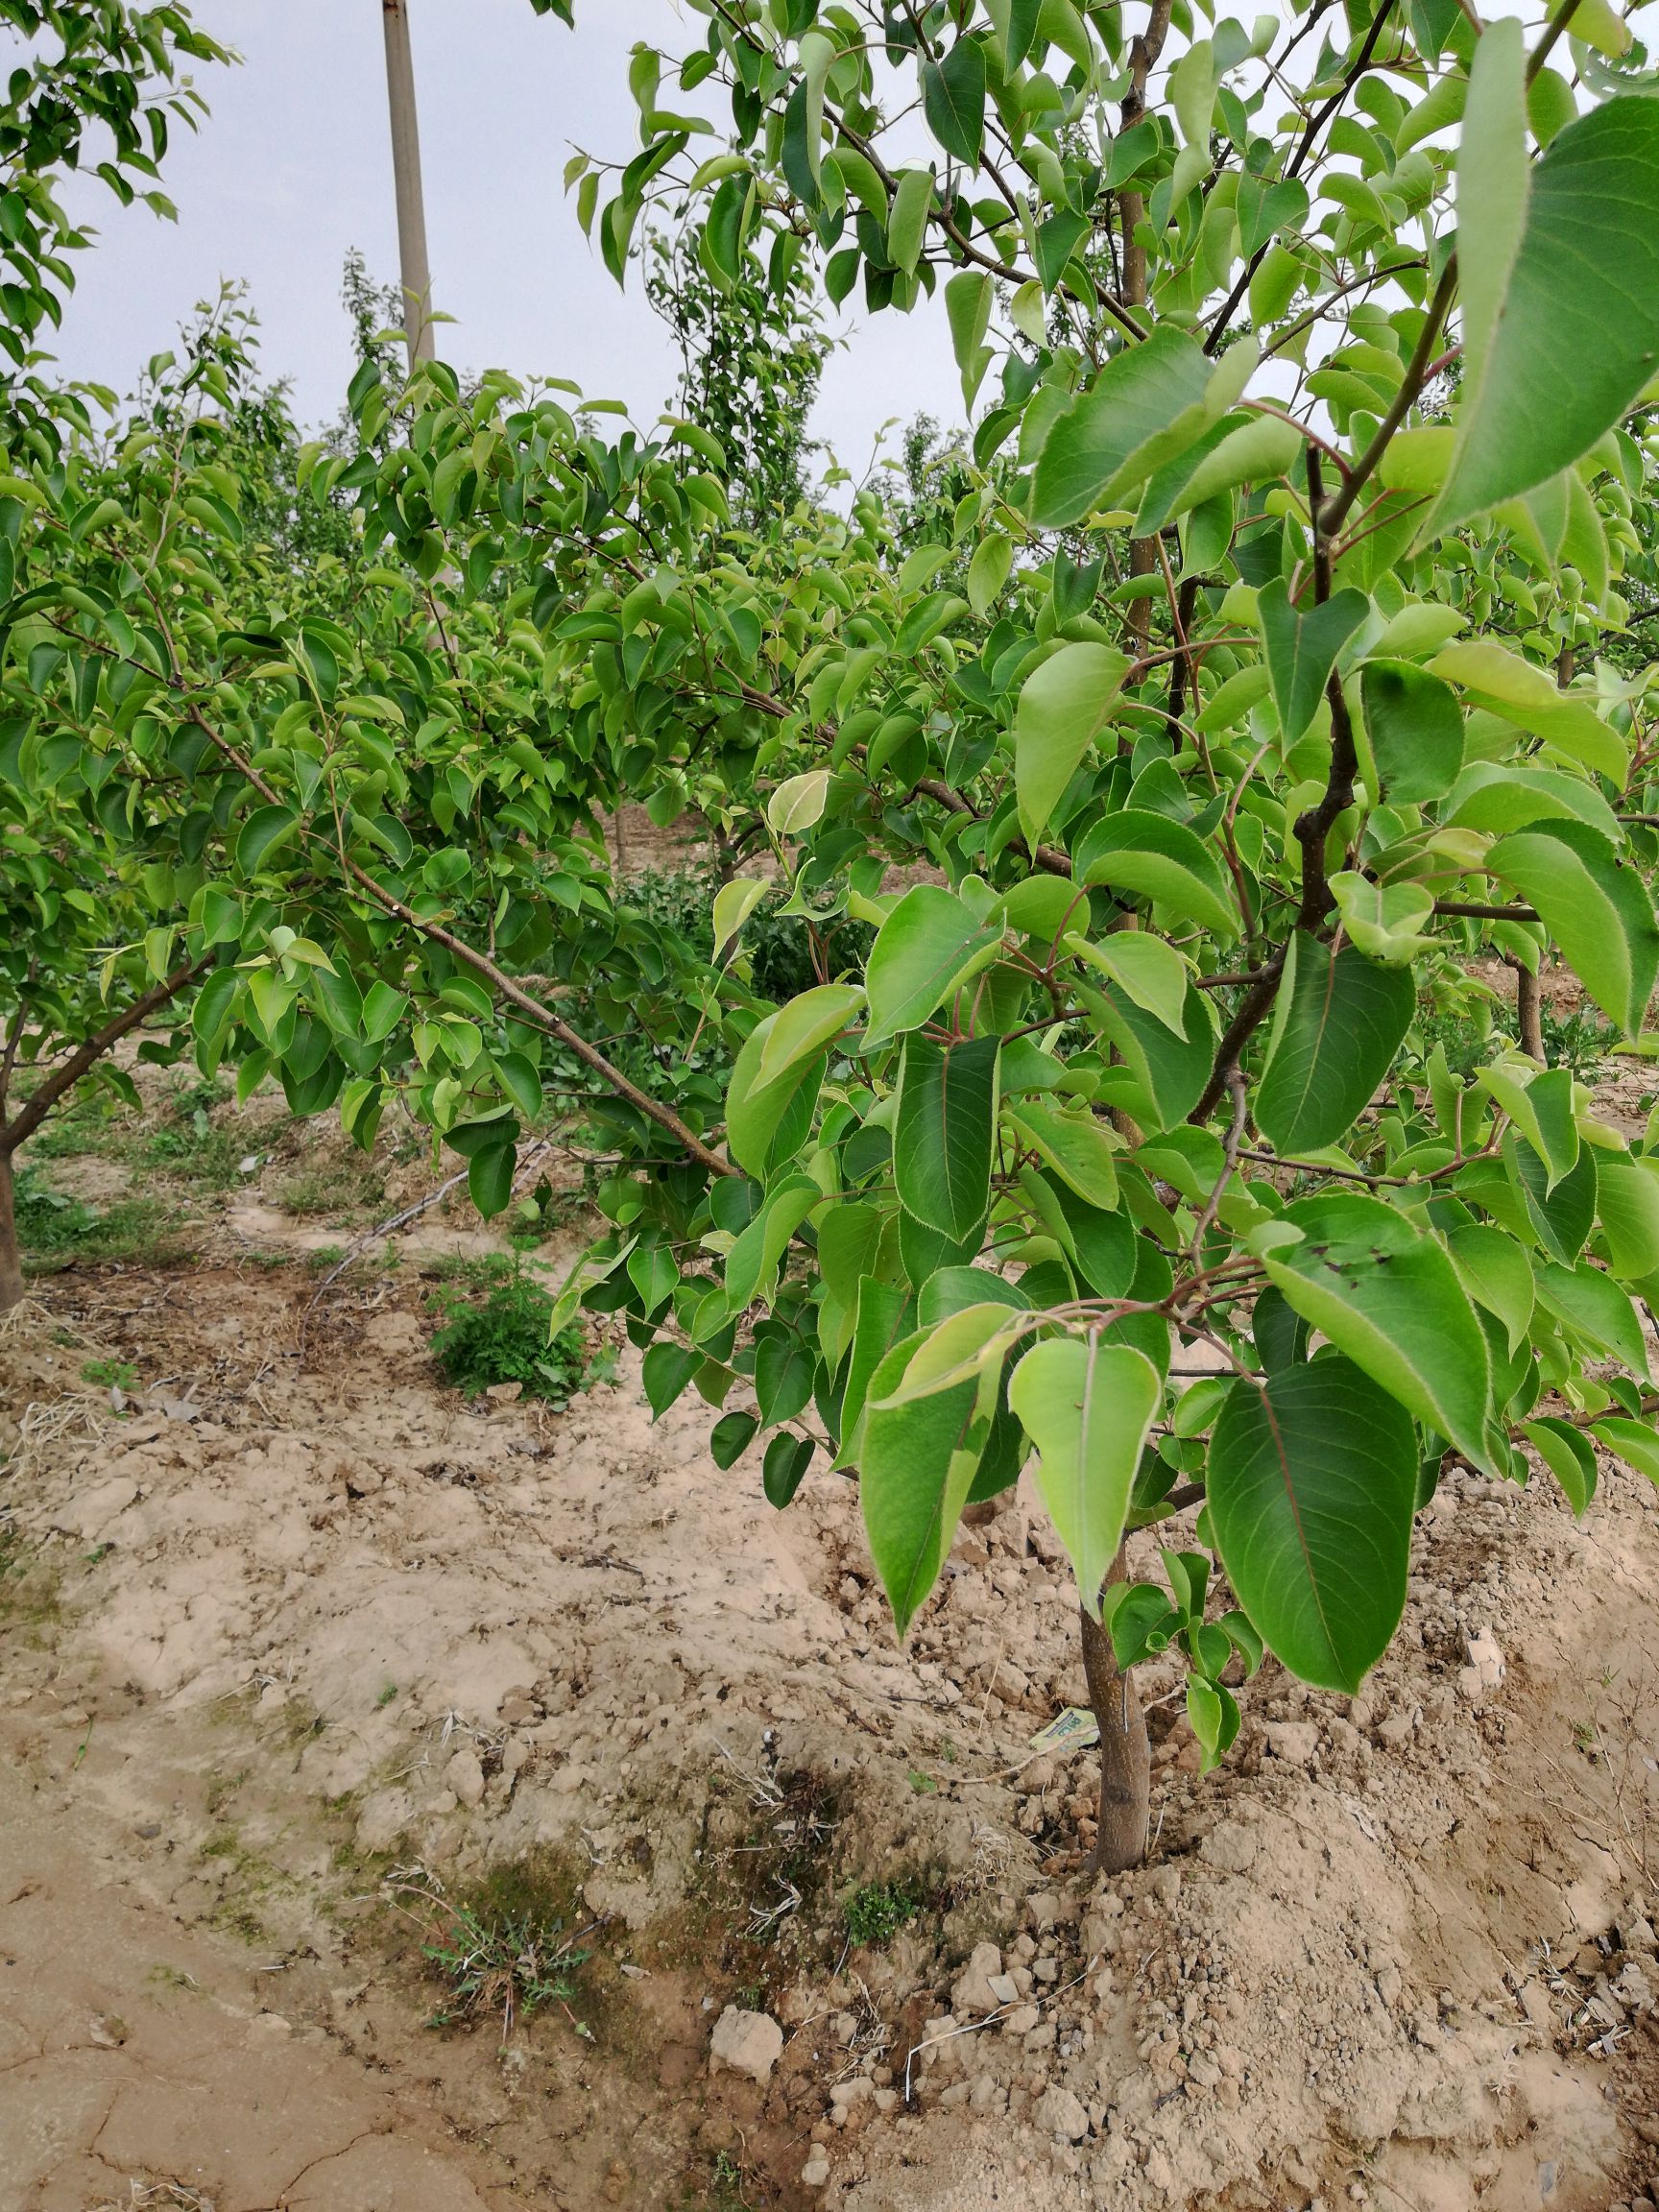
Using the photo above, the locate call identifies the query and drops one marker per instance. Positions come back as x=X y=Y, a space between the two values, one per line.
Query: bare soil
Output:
x=301 y=1654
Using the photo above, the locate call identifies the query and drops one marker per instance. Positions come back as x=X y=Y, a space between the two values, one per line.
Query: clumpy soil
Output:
x=309 y=1669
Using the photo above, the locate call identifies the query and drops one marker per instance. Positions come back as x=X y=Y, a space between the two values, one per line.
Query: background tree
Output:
x=95 y=89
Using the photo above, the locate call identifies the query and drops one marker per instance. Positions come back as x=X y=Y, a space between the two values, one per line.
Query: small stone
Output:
x=504 y=1393
x=1230 y=1849
x=1003 y=1988
x=1060 y=2113
x=1295 y=1742
x=149 y=1829
x=1164 y=1883
x=748 y=2043
x=1043 y=1912
x=972 y=1995
x=465 y=1776
x=816 y=2171
x=273 y=2025
x=1021 y=2022
x=107 y=2029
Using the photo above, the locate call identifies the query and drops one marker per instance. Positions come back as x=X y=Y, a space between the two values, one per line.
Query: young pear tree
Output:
x=1275 y=672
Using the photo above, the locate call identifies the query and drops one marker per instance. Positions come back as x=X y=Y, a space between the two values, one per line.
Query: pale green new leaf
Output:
x=1086 y=1408
x=1065 y=704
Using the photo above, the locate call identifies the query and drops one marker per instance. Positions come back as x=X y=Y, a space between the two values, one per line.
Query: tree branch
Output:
x=543 y=1017
x=24 y=1124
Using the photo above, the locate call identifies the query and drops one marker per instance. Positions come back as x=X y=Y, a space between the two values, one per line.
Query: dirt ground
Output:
x=308 y=1667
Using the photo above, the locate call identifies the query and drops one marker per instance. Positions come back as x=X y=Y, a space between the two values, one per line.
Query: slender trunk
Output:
x=416 y=277
x=1529 y=1011
x=11 y=1259
x=1125 y=1756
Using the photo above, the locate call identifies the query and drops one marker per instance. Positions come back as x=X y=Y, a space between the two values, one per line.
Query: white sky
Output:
x=293 y=166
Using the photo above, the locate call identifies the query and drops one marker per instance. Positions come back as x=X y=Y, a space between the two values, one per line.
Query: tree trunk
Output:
x=10 y=1262
x=1125 y=1758
x=1529 y=1011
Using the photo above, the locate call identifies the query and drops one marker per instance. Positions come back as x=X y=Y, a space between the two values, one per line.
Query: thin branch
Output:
x=482 y=965
x=1331 y=520
x=1557 y=24
x=29 y=1118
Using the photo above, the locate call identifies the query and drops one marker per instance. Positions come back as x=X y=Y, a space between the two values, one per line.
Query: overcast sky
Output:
x=293 y=166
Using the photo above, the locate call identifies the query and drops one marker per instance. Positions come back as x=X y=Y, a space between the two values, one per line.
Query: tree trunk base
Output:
x=1126 y=1755
x=11 y=1258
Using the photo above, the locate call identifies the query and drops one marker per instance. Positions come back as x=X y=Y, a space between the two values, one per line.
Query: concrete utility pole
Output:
x=417 y=278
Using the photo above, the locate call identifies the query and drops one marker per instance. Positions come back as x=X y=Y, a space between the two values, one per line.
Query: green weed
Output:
x=511 y=1948
x=875 y=1914
x=110 y=1373
x=56 y=1231
x=505 y=1339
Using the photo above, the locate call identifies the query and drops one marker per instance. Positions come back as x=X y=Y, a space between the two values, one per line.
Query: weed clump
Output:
x=506 y=1337
x=875 y=1914
x=512 y=1948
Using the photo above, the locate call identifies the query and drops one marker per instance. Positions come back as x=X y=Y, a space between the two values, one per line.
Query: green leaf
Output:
x=1415 y=726
x=1593 y=1305
x=953 y=99
x=1302 y=646
x=1568 y=1456
x=1390 y=1299
x=1540 y=1105
x=1144 y=405
x=1628 y=1202
x=1074 y=1146
x=1257 y=453
x=1562 y=331
x=805 y=1027
x=942 y=1140
x=884 y=1314
x=1163 y=1075
x=916 y=1463
x=1528 y=697
x=967 y=303
x=1339 y=1022
x=264 y=831
x=908 y=224
x=1561 y=1217
x=752 y=1263
x=489 y=1179
x=666 y=1372
x=787 y=1459
x=1635 y=1442
x=1147 y=970
x=953 y=1290
x=1388 y=922
x=783 y=1368
x=1312 y=1484
x=768 y=1122
x=730 y=1438
x=928 y=945
x=1086 y=1408
x=1595 y=905
x=734 y=903
x=1137 y=851
x=1497 y=1274
x=1065 y=704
